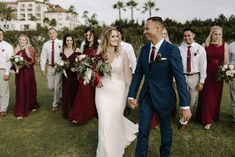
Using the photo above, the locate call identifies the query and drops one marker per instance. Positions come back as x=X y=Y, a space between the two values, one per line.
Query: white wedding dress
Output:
x=115 y=131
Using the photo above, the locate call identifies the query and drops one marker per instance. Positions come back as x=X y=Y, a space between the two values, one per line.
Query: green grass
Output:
x=47 y=134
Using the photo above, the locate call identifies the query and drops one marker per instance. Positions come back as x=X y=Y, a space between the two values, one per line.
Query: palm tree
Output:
x=132 y=4
x=72 y=9
x=6 y=13
x=148 y=6
x=120 y=6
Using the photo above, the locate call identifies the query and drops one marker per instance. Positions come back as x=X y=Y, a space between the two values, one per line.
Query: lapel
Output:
x=146 y=58
x=161 y=50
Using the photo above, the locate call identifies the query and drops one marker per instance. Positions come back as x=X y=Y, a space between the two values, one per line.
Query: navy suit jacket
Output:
x=158 y=81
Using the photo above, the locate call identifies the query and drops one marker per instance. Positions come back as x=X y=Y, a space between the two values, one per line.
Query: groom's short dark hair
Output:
x=157 y=19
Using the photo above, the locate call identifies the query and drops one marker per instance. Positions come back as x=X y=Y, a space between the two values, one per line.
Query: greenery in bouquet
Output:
x=90 y=68
x=226 y=72
x=18 y=62
x=103 y=67
x=62 y=66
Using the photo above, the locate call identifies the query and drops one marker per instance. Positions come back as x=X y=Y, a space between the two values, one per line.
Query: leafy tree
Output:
x=6 y=13
x=90 y=21
x=52 y=23
x=120 y=6
x=132 y=4
x=148 y=6
x=72 y=9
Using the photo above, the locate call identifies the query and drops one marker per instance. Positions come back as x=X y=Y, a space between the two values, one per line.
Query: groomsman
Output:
x=51 y=53
x=194 y=63
x=6 y=51
x=232 y=83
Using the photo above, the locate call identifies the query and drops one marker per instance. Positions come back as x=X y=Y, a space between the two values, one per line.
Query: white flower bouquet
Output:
x=62 y=66
x=18 y=62
x=226 y=72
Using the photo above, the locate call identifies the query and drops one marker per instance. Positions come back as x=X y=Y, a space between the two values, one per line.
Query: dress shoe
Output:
x=75 y=122
x=3 y=114
x=232 y=125
x=34 y=110
x=182 y=127
x=54 y=109
x=207 y=126
x=18 y=118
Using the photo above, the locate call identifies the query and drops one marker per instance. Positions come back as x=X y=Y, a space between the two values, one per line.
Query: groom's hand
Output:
x=133 y=103
x=185 y=114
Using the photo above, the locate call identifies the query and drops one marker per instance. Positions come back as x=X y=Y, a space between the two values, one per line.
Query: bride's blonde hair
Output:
x=105 y=42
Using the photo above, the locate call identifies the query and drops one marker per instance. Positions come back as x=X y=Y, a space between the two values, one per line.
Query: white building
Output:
x=31 y=13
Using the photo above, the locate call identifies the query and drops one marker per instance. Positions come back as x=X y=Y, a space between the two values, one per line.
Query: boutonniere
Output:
x=158 y=57
x=196 y=53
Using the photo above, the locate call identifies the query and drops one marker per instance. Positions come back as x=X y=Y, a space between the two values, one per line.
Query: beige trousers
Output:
x=54 y=83
x=4 y=92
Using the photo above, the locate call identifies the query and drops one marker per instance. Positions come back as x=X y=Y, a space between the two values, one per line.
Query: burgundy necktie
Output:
x=189 y=60
x=52 y=54
x=152 y=54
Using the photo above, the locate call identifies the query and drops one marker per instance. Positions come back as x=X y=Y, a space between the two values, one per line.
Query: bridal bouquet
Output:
x=91 y=68
x=226 y=72
x=62 y=66
x=18 y=62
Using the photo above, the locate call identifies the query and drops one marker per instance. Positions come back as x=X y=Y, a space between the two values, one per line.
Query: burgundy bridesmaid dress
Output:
x=26 y=88
x=84 y=108
x=69 y=86
x=210 y=96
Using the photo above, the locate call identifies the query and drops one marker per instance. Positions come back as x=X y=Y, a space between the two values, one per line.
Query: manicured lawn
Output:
x=47 y=134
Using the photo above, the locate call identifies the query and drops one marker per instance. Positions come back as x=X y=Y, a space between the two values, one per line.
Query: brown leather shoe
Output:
x=54 y=109
x=232 y=125
x=182 y=127
x=3 y=114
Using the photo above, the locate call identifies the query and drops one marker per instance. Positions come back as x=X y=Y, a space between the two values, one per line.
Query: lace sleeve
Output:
x=126 y=69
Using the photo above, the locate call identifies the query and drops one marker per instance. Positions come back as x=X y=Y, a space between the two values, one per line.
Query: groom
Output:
x=158 y=61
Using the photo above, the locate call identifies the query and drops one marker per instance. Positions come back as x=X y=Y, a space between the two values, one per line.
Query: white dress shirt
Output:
x=198 y=59
x=157 y=47
x=231 y=50
x=6 y=51
x=46 y=52
x=128 y=48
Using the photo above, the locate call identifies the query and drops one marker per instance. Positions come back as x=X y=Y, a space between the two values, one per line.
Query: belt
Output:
x=191 y=74
x=52 y=65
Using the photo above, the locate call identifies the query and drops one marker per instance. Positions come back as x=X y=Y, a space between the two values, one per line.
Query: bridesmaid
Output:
x=210 y=96
x=84 y=106
x=26 y=88
x=69 y=84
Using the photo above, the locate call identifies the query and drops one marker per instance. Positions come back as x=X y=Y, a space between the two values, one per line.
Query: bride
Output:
x=115 y=131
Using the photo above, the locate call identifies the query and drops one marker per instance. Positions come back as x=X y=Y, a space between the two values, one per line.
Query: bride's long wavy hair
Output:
x=105 y=42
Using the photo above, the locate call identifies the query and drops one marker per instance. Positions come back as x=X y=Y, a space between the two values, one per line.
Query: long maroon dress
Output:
x=210 y=96
x=69 y=85
x=84 y=108
x=26 y=88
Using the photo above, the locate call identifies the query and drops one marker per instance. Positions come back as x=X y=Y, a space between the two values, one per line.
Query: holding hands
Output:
x=133 y=103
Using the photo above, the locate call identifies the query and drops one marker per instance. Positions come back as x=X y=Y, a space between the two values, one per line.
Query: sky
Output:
x=179 y=10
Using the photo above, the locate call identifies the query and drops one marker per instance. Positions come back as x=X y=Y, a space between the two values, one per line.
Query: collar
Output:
x=158 y=44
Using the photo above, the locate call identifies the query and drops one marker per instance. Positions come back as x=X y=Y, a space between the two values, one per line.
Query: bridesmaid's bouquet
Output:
x=62 y=66
x=91 y=68
x=226 y=72
x=18 y=62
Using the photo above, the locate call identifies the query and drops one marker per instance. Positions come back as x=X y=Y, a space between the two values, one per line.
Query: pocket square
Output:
x=163 y=58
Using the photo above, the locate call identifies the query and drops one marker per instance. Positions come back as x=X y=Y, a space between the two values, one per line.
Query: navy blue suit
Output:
x=157 y=94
